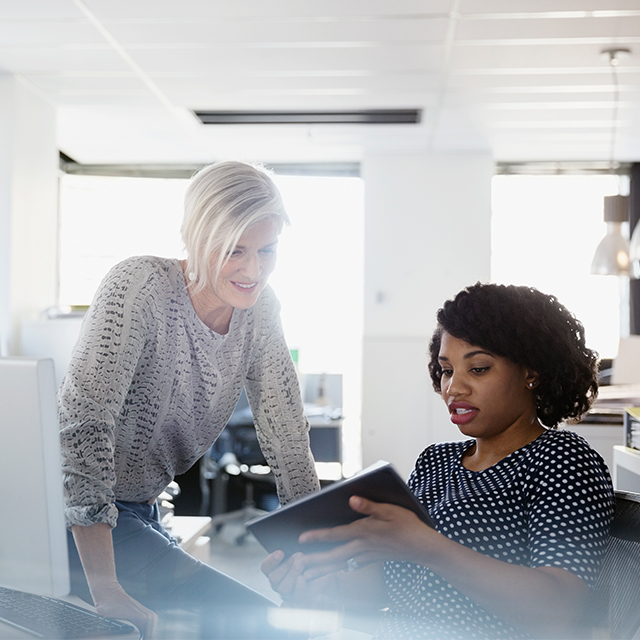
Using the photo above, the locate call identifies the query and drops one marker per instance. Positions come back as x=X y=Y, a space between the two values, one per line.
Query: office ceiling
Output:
x=522 y=79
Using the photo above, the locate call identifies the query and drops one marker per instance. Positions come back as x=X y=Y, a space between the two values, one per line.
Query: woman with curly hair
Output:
x=522 y=509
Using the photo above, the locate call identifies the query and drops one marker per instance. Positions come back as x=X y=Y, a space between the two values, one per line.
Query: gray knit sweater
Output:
x=150 y=387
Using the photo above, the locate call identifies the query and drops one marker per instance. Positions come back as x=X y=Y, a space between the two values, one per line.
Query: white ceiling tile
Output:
x=330 y=100
x=238 y=31
x=387 y=83
x=544 y=6
x=532 y=28
x=487 y=56
x=258 y=9
x=38 y=10
x=541 y=76
x=78 y=82
x=89 y=99
x=213 y=59
x=47 y=59
x=30 y=33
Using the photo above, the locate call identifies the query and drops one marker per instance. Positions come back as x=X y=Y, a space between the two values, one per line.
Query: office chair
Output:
x=234 y=452
x=615 y=602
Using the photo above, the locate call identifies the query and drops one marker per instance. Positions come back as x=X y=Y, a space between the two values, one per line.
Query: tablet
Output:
x=280 y=529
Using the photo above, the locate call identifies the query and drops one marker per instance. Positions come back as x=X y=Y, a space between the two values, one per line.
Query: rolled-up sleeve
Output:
x=91 y=397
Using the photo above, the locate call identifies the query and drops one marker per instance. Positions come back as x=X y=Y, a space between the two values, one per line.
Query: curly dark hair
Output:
x=529 y=328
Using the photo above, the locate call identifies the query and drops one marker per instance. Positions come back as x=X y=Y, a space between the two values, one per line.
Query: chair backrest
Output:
x=615 y=604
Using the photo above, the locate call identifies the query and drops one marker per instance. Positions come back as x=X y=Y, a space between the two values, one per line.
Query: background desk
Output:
x=191 y=532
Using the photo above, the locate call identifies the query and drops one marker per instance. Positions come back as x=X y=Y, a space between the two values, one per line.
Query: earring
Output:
x=192 y=276
x=531 y=385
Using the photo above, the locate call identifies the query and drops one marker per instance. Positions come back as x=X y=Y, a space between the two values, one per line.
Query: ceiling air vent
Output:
x=367 y=116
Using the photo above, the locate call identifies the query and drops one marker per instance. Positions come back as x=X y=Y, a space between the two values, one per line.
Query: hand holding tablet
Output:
x=280 y=529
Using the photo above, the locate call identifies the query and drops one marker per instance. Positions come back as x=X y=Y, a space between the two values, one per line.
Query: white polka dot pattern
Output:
x=547 y=504
x=150 y=387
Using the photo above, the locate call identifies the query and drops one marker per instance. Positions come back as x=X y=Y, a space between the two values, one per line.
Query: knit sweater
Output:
x=150 y=387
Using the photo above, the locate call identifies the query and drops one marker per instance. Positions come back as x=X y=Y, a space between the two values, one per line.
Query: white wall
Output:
x=6 y=143
x=427 y=235
x=28 y=209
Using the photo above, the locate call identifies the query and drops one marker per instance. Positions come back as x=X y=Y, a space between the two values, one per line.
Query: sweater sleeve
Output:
x=93 y=393
x=273 y=391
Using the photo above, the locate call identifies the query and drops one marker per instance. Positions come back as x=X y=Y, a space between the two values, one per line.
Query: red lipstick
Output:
x=462 y=412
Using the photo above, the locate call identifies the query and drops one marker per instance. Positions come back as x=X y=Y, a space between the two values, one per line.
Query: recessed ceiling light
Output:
x=366 y=116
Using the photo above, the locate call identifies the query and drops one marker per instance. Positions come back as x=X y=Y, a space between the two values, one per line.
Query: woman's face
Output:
x=247 y=271
x=487 y=395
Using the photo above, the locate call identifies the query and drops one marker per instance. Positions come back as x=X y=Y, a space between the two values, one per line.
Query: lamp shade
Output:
x=616 y=208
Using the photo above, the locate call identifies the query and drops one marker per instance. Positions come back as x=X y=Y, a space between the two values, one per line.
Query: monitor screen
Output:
x=33 y=548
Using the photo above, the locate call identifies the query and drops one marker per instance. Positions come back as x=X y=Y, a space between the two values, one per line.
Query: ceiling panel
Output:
x=63 y=34
x=283 y=100
x=498 y=56
x=515 y=78
x=89 y=99
x=532 y=28
x=26 y=60
x=258 y=9
x=83 y=81
x=545 y=6
x=213 y=58
x=40 y=10
x=254 y=33
x=411 y=82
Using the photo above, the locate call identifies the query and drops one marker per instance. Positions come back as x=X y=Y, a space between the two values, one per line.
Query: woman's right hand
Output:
x=113 y=601
x=286 y=576
x=95 y=546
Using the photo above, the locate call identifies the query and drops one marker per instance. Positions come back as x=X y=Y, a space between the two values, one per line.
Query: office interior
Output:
x=499 y=86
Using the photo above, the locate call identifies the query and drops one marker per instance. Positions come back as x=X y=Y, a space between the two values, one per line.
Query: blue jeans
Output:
x=153 y=569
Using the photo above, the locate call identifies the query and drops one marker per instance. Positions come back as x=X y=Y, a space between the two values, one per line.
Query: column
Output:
x=28 y=209
x=427 y=235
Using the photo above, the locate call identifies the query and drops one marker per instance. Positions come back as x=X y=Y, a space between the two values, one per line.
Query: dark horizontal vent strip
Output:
x=370 y=116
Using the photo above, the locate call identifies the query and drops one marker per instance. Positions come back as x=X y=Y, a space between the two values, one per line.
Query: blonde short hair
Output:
x=222 y=201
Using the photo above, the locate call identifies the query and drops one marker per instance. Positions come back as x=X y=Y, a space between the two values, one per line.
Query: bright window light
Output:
x=545 y=230
x=319 y=278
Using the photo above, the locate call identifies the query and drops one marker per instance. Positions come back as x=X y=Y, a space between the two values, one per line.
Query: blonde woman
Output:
x=165 y=350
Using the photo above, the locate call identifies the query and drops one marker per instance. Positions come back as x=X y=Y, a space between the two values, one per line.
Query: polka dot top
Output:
x=150 y=387
x=548 y=504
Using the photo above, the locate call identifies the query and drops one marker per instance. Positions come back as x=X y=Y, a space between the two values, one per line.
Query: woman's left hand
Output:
x=388 y=533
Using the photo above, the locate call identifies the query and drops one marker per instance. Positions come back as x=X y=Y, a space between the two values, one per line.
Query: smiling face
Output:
x=488 y=396
x=247 y=271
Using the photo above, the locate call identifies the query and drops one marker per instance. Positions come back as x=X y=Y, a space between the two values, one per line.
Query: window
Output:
x=319 y=279
x=545 y=230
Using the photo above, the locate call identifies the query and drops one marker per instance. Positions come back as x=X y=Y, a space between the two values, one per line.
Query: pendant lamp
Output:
x=612 y=255
x=634 y=253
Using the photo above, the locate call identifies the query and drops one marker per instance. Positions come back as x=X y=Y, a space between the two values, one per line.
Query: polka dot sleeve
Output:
x=569 y=507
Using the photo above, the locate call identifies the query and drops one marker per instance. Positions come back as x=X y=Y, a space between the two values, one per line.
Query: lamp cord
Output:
x=616 y=98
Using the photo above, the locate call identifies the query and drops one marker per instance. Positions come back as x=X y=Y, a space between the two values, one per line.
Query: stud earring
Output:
x=192 y=276
x=531 y=385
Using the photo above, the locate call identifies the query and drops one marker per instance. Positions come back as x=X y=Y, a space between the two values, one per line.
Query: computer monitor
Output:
x=33 y=548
